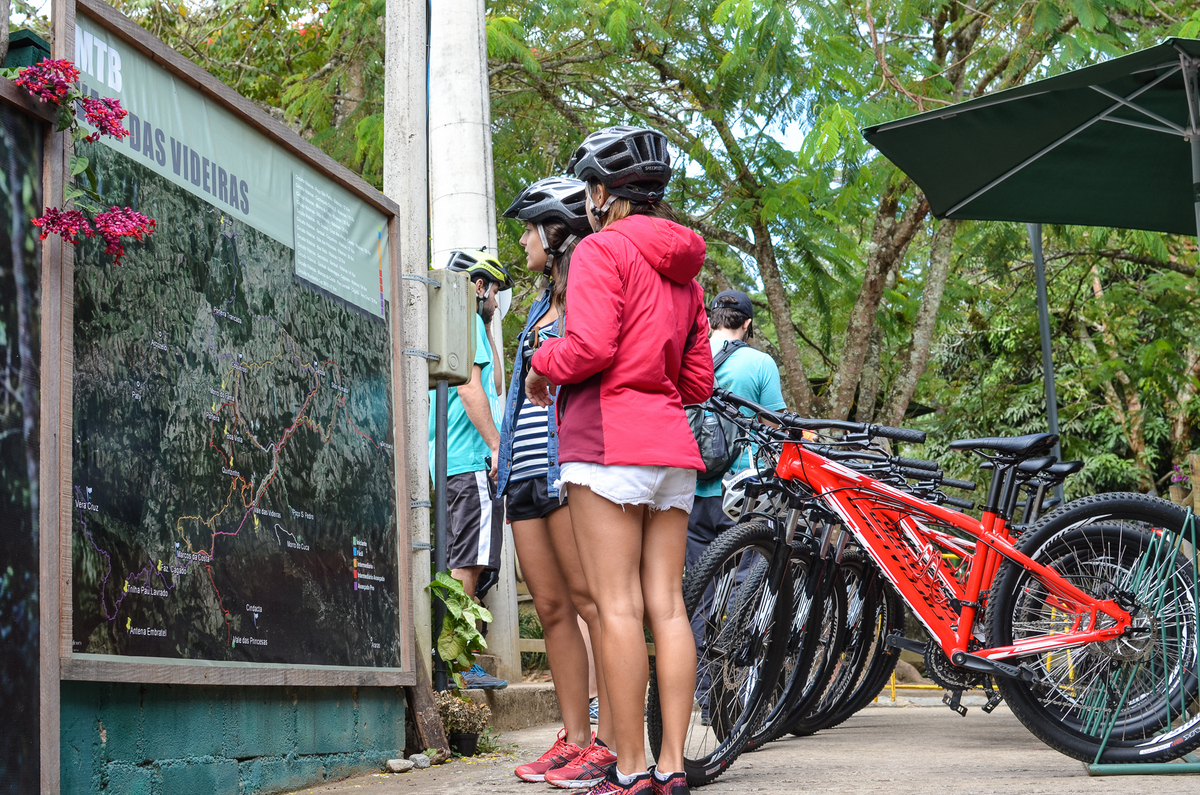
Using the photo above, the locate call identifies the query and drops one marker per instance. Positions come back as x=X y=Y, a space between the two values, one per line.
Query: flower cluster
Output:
x=67 y=223
x=55 y=81
x=122 y=222
x=49 y=81
x=105 y=115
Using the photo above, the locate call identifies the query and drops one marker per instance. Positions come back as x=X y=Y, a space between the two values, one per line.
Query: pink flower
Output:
x=105 y=115
x=68 y=224
x=122 y=222
x=49 y=81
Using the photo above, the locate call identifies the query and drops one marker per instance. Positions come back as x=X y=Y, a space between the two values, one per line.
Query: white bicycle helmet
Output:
x=733 y=502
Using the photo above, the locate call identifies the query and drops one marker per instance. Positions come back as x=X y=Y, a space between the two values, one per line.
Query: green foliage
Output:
x=459 y=636
x=763 y=101
x=530 y=626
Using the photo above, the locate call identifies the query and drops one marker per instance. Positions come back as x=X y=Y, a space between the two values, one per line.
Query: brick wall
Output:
x=123 y=739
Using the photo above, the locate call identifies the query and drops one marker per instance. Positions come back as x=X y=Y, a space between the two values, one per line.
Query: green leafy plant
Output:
x=459 y=636
x=489 y=742
x=462 y=715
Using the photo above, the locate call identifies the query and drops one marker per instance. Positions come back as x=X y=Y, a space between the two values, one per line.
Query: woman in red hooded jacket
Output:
x=633 y=353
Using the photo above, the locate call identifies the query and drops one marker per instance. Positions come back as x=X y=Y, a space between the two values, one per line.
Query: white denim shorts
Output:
x=659 y=487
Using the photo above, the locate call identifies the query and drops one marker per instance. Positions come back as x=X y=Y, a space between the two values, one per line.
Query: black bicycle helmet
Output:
x=632 y=162
x=481 y=265
x=552 y=199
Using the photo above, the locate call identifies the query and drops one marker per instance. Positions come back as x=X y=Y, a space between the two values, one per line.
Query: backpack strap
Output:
x=727 y=350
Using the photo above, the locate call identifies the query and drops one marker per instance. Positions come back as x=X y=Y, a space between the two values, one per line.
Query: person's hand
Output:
x=539 y=389
x=495 y=459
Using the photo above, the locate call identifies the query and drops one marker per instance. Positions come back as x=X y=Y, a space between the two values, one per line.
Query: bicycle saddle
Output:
x=1034 y=465
x=1009 y=446
x=1064 y=469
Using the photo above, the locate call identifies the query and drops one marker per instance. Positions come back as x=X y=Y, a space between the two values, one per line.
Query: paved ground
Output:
x=912 y=747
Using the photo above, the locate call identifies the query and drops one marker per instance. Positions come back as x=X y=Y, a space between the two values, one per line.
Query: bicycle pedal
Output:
x=953 y=700
x=993 y=702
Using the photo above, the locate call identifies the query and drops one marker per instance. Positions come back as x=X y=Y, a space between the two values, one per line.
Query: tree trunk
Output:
x=4 y=16
x=917 y=355
x=872 y=379
x=1181 y=423
x=889 y=240
x=802 y=398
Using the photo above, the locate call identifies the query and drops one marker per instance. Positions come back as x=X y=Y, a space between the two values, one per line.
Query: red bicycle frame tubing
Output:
x=886 y=522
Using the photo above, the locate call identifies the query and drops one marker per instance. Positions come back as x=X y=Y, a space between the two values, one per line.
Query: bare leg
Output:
x=565 y=646
x=469 y=577
x=568 y=557
x=587 y=641
x=664 y=544
x=609 y=537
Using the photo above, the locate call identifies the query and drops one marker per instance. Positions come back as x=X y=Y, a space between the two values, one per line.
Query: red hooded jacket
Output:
x=634 y=350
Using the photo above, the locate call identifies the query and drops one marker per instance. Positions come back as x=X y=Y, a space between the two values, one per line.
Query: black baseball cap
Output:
x=734 y=299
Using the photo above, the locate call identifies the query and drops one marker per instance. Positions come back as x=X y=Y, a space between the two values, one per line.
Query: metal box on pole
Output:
x=451 y=328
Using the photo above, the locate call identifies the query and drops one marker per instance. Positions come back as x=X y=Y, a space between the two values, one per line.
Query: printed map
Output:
x=233 y=459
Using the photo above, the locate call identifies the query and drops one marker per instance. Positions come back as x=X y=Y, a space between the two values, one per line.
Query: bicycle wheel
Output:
x=818 y=632
x=741 y=627
x=1141 y=689
x=875 y=612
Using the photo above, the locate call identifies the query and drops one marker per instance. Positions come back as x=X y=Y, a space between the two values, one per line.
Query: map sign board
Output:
x=234 y=475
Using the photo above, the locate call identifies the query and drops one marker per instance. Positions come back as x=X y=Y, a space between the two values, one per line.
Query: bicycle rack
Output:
x=1189 y=763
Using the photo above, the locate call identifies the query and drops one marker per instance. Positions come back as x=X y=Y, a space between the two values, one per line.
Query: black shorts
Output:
x=528 y=499
x=474 y=522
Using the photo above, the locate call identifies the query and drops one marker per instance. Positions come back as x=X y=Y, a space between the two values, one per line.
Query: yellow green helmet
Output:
x=481 y=265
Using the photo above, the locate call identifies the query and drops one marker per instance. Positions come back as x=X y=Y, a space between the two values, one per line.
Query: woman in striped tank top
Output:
x=555 y=219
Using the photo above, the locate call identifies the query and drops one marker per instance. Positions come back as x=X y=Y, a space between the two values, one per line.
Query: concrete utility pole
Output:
x=463 y=213
x=405 y=181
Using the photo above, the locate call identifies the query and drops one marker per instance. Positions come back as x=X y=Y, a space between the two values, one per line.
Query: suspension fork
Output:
x=769 y=608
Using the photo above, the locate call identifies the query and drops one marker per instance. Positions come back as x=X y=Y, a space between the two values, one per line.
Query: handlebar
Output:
x=790 y=420
x=965 y=485
x=966 y=505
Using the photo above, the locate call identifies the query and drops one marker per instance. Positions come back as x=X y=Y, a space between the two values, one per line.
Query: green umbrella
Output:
x=1116 y=144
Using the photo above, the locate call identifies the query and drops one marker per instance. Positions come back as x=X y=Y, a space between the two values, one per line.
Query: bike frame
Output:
x=895 y=530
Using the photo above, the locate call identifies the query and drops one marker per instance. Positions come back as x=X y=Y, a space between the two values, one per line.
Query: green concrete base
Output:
x=126 y=739
x=1144 y=769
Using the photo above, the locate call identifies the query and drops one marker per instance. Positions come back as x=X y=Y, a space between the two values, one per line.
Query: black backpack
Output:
x=715 y=435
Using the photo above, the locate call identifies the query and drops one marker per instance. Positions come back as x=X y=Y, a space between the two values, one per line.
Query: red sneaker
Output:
x=561 y=753
x=642 y=785
x=676 y=784
x=587 y=770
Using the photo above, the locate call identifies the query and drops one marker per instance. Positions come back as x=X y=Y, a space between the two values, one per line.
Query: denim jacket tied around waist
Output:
x=516 y=399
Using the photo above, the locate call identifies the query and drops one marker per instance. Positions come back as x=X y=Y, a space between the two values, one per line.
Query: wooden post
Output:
x=425 y=714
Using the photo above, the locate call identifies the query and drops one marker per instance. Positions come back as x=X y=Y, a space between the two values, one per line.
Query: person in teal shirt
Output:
x=474 y=520
x=747 y=372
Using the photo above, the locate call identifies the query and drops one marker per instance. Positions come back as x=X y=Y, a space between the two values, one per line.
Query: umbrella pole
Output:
x=1039 y=267
x=1191 y=81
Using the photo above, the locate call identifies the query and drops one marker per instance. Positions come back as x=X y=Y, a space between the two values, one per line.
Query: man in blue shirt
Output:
x=747 y=372
x=474 y=520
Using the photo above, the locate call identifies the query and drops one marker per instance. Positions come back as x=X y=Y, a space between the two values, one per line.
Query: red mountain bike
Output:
x=1088 y=624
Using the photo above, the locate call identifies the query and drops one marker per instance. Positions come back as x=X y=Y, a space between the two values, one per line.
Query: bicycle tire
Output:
x=1108 y=544
x=730 y=691
x=822 y=643
x=862 y=599
x=887 y=619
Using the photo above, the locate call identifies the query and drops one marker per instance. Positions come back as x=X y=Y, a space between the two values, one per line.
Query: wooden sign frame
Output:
x=57 y=662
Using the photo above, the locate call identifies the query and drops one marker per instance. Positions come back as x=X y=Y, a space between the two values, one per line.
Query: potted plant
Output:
x=459 y=636
x=463 y=721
